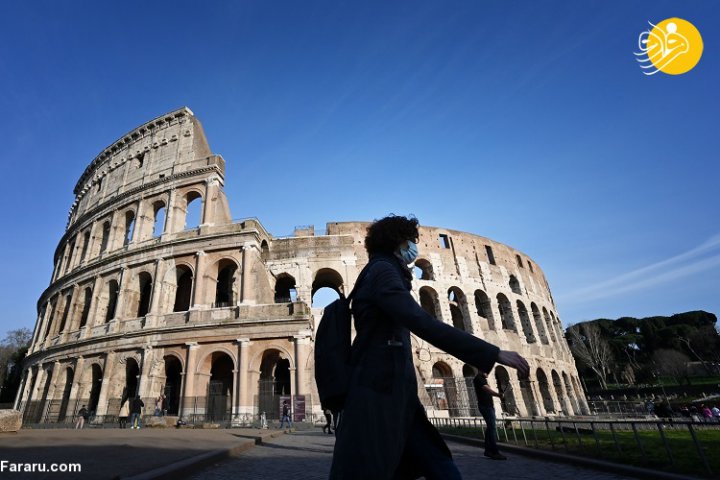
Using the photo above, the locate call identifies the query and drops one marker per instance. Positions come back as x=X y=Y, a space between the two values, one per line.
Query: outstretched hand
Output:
x=514 y=360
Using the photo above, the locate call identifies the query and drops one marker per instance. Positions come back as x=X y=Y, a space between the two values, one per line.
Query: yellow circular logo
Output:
x=673 y=46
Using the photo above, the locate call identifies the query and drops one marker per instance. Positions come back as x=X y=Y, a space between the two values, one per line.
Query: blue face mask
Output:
x=409 y=253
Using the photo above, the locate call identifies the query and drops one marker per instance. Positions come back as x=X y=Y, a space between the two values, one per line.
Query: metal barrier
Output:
x=525 y=431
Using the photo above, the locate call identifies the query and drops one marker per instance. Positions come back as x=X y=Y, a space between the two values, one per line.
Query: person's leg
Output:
x=424 y=456
x=488 y=414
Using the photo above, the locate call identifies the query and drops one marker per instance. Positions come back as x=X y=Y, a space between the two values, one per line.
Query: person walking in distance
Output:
x=485 y=395
x=136 y=412
x=83 y=415
x=285 y=415
x=383 y=432
x=328 y=421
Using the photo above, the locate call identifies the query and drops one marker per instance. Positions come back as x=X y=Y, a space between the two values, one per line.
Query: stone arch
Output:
x=560 y=393
x=544 y=386
x=285 y=288
x=192 y=211
x=217 y=370
x=129 y=227
x=264 y=251
x=525 y=322
x=183 y=287
x=226 y=291
x=159 y=208
x=508 y=402
x=539 y=324
x=506 y=314
x=459 y=309
x=66 y=388
x=110 y=294
x=327 y=278
x=105 y=236
x=275 y=380
x=444 y=392
x=515 y=285
x=85 y=312
x=423 y=269
x=484 y=308
x=570 y=394
x=576 y=388
x=429 y=302
x=528 y=396
x=549 y=324
x=96 y=375
x=137 y=295
x=173 y=380
x=131 y=382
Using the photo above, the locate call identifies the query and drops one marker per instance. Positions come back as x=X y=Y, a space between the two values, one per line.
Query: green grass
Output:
x=686 y=459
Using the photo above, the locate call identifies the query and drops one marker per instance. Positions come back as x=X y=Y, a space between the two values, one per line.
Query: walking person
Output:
x=485 y=394
x=124 y=412
x=383 y=431
x=136 y=412
x=328 y=422
x=285 y=415
x=83 y=415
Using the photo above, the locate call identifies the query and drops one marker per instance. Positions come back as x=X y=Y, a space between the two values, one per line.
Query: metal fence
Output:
x=587 y=435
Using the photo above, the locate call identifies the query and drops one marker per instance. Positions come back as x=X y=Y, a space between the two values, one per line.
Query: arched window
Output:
x=515 y=285
x=224 y=293
x=145 y=286
x=429 y=302
x=183 y=293
x=105 y=237
x=539 y=324
x=193 y=213
x=423 y=270
x=484 y=308
x=548 y=403
x=331 y=284
x=525 y=322
x=86 y=244
x=549 y=324
x=129 y=227
x=66 y=312
x=264 y=251
x=285 y=290
x=159 y=215
x=112 y=292
x=86 y=307
x=506 y=315
x=458 y=309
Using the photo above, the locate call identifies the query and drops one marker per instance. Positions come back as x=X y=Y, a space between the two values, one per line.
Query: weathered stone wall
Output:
x=220 y=315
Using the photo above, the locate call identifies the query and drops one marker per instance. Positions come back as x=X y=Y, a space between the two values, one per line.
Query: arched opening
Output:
x=458 y=310
x=193 y=210
x=469 y=373
x=105 y=237
x=525 y=322
x=87 y=299
x=539 y=323
x=264 y=251
x=570 y=394
x=545 y=391
x=285 y=289
x=429 y=302
x=484 y=308
x=129 y=227
x=51 y=317
x=326 y=278
x=444 y=391
x=549 y=324
x=515 y=285
x=159 y=214
x=528 y=396
x=112 y=292
x=183 y=293
x=95 y=386
x=578 y=390
x=132 y=378
x=559 y=393
x=506 y=314
x=423 y=270
x=220 y=387
x=86 y=244
x=145 y=288
x=70 y=251
x=43 y=398
x=66 y=312
x=173 y=382
x=274 y=382
x=508 y=402
x=224 y=289
x=65 y=398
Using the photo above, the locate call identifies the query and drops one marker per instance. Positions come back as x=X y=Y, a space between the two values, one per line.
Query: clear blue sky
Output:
x=528 y=122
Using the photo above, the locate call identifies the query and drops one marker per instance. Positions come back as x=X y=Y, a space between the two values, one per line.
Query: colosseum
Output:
x=156 y=290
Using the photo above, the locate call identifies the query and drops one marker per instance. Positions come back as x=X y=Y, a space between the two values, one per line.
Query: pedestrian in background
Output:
x=136 y=412
x=285 y=415
x=83 y=415
x=485 y=394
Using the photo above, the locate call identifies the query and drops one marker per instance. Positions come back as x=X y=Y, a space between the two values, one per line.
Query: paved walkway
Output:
x=306 y=455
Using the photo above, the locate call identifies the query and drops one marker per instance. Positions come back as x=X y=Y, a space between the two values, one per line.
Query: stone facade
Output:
x=217 y=313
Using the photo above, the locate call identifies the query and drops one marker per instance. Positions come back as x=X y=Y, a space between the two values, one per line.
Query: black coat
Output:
x=382 y=401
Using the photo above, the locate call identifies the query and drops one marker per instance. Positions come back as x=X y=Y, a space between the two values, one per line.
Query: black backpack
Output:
x=332 y=351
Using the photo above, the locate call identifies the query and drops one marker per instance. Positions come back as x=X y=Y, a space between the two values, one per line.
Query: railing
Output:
x=658 y=443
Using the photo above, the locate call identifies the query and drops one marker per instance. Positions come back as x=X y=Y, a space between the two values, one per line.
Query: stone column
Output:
x=302 y=346
x=198 y=293
x=170 y=226
x=209 y=200
x=21 y=397
x=243 y=406
x=51 y=391
x=189 y=386
x=156 y=294
x=107 y=375
x=92 y=310
x=120 y=303
x=144 y=384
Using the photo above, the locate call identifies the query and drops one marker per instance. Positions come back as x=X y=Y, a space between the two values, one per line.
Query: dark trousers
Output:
x=424 y=456
x=488 y=414
x=328 y=424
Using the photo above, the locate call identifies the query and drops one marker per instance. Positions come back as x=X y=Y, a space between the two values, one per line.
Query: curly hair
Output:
x=386 y=234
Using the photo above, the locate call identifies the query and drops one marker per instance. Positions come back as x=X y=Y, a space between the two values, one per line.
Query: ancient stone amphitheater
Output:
x=156 y=290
